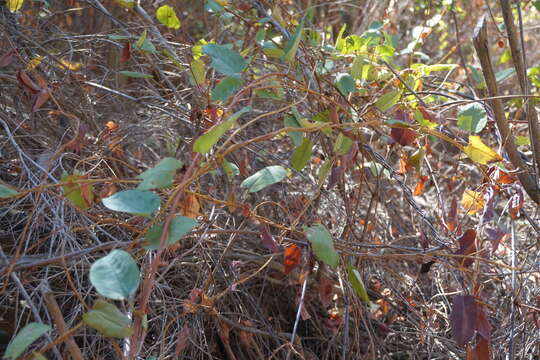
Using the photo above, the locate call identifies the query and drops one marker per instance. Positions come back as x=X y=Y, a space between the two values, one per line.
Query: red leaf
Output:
x=467 y=246
x=5 y=60
x=480 y=351
x=463 y=318
x=419 y=188
x=483 y=327
x=516 y=203
x=268 y=240
x=348 y=160
x=403 y=136
x=126 y=52
x=182 y=340
x=291 y=258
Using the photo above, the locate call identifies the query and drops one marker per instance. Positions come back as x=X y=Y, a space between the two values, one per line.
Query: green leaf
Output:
x=38 y=356
x=478 y=77
x=504 y=74
x=225 y=60
x=144 y=44
x=230 y=169
x=342 y=145
x=360 y=68
x=522 y=140
x=198 y=71
x=80 y=195
x=357 y=284
x=24 y=339
x=166 y=15
x=322 y=245
x=135 y=202
x=160 y=176
x=289 y=53
x=179 y=227
x=324 y=171
x=340 y=41
x=108 y=320
x=205 y=142
x=505 y=57
x=7 y=192
x=115 y=276
x=226 y=88
x=302 y=154
x=472 y=118
x=263 y=178
x=419 y=117
x=128 y=4
x=296 y=136
x=345 y=84
x=388 y=100
x=141 y=40
x=136 y=75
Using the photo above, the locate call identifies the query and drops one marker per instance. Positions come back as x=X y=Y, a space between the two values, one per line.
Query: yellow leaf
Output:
x=223 y=2
x=480 y=152
x=34 y=63
x=14 y=5
x=128 y=4
x=472 y=201
x=73 y=66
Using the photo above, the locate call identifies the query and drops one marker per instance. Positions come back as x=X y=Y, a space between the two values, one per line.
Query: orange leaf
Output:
x=291 y=258
x=419 y=188
x=472 y=201
x=191 y=207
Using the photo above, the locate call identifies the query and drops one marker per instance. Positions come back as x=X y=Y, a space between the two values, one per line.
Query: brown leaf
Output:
x=403 y=136
x=326 y=292
x=335 y=176
x=495 y=236
x=467 y=246
x=41 y=98
x=28 y=83
x=268 y=240
x=451 y=216
x=6 y=59
x=291 y=258
x=480 y=350
x=191 y=207
x=463 y=318
x=126 y=52
x=349 y=159
x=483 y=327
x=79 y=140
x=246 y=338
x=182 y=340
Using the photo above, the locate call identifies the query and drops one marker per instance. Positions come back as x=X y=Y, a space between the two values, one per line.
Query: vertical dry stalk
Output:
x=524 y=175
x=518 y=58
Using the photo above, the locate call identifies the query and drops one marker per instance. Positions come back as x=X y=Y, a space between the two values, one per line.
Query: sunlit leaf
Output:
x=24 y=338
x=6 y=192
x=115 y=276
x=205 y=142
x=388 y=100
x=166 y=15
x=263 y=178
x=472 y=118
x=302 y=154
x=14 y=5
x=225 y=60
x=108 y=320
x=179 y=227
x=480 y=152
x=160 y=176
x=136 y=202
x=322 y=245
x=472 y=201
x=198 y=71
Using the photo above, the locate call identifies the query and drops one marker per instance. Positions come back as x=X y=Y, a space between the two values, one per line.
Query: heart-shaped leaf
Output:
x=115 y=276
x=178 y=228
x=108 y=320
x=472 y=118
x=263 y=178
x=226 y=88
x=345 y=84
x=136 y=202
x=322 y=244
x=160 y=176
x=24 y=339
